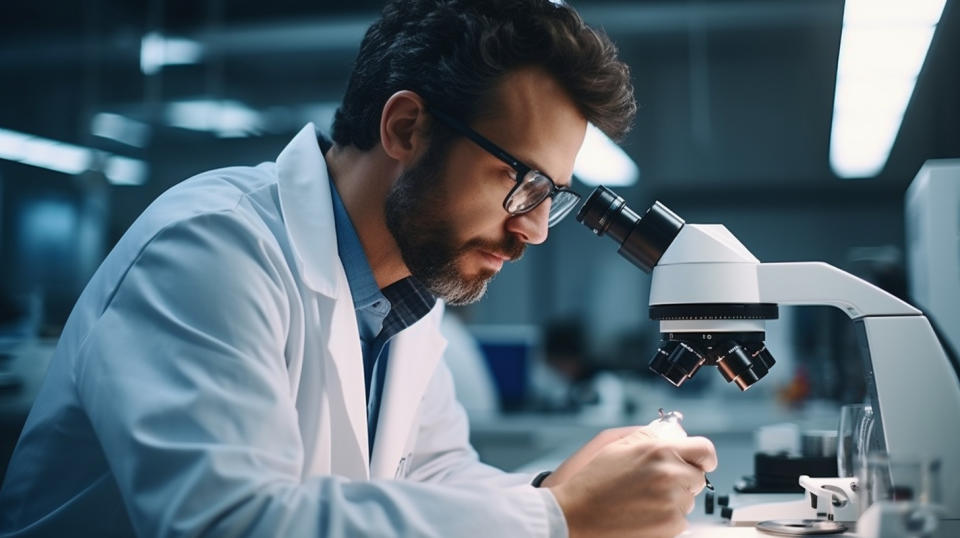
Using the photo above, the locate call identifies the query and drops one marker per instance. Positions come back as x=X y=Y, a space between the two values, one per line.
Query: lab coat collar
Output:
x=307 y=208
x=306 y=203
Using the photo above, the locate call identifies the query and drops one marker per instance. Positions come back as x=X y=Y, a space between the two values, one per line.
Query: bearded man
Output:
x=260 y=353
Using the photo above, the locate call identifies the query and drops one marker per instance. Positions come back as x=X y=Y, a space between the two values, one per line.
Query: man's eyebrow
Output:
x=534 y=166
x=525 y=161
x=557 y=182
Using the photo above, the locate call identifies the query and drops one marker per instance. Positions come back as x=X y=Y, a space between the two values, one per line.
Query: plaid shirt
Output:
x=409 y=302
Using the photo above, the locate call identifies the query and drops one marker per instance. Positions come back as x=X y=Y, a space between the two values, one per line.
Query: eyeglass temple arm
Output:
x=482 y=142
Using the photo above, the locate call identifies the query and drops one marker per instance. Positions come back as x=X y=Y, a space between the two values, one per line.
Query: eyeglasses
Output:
x=533 y=186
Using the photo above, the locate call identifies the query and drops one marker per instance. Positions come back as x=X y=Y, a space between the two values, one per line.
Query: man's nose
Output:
x=532 y=226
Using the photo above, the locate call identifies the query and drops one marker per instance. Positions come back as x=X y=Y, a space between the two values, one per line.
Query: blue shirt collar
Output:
x=363 y=286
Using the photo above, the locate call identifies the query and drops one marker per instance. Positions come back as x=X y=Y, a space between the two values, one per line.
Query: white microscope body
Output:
x=908 y=368
x=708 y=288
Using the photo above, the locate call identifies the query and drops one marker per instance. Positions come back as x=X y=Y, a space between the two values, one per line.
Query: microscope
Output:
x=712 y=296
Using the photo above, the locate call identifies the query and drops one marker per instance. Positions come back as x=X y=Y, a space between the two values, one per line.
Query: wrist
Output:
x=568 y=509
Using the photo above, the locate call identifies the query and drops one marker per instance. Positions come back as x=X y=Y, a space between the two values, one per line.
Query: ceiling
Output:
x=735 y=112
x=735 y=95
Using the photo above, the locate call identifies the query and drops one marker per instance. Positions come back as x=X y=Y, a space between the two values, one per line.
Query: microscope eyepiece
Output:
x=642 y=240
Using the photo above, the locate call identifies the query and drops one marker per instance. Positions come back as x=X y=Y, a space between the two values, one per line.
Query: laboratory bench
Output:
x=528 y=442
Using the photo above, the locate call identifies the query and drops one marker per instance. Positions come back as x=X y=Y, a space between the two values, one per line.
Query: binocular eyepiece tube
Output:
x=642 y=240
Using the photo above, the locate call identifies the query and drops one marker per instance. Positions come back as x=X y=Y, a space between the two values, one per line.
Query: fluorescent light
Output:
x=602 y=162
x=156 y=51
x=320 y=113
x=892 y=12
x=120 y=128
x=125 y=171
x=44 y=153
x=228 y=119
x=872 y=52
x=69 y=158
x=882 y=50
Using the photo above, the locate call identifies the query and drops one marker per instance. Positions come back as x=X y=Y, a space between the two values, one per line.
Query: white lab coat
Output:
x=210 y=380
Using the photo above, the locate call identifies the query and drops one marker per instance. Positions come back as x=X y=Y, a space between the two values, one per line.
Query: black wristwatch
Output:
x=540 y=478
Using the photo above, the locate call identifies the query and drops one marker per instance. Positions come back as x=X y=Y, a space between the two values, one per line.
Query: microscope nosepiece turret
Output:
x=738 y=353
x=740 y=357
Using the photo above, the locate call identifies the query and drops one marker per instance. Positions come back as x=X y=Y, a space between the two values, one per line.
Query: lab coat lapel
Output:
x=414 y=354
x=307 y=206
x=347 y=386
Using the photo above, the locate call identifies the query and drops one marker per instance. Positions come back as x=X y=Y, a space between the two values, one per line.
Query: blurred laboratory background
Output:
x=795 y=124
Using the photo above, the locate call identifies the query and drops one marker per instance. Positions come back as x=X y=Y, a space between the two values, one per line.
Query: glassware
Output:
x=853 y=437
x=907 y=487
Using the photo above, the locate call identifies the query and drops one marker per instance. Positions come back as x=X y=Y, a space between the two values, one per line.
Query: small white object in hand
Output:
x=667 y=425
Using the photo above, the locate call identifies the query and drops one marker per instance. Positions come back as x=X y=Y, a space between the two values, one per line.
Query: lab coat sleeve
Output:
x=183 y=380
x=443 y=453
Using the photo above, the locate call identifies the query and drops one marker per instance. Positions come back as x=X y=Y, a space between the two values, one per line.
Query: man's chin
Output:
x=463 y=290
x=465 y=297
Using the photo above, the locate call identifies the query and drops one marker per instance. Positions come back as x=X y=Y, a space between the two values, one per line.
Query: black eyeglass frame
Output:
x=519 y=167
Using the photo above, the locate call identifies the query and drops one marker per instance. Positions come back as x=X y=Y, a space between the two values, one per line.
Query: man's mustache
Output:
x=510 y=248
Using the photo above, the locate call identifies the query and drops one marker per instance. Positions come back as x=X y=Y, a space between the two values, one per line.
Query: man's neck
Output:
x=363 y=179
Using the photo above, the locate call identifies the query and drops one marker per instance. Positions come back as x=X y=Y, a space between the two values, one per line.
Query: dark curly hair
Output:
x=453 y=52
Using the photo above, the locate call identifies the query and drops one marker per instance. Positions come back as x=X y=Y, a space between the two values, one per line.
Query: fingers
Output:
x=697 y=482
x=697 y=451
x=690 y=479
x=613 y=434
x=640 y=433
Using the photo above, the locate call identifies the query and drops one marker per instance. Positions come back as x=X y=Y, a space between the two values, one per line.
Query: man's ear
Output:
x=403 y=127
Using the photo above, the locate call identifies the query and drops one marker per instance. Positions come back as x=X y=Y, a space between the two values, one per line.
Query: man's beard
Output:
x=425 y=236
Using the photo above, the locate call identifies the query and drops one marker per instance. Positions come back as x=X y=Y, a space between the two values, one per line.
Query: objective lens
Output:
x=741 y=357
x=745 y=364
x=676 y=362
x=736 y=366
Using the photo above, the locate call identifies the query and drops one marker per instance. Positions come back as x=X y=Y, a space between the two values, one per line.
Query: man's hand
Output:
x=630 y=483
x=587 y=452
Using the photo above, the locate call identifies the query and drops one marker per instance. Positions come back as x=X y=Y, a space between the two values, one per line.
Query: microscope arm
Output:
x=818 y=283
x=910 y=378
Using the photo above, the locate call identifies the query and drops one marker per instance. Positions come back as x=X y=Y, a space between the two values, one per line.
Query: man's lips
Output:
x=495 y=259
x=501 y=257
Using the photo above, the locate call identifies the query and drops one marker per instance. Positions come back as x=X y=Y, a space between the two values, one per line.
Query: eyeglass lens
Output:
x=533 y=189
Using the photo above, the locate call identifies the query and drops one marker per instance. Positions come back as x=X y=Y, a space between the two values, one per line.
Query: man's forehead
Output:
x=532 y=117
x=523 y=89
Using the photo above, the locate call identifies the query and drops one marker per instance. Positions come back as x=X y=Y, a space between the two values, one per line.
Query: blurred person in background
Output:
x=260 y=353
x=472 y=381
